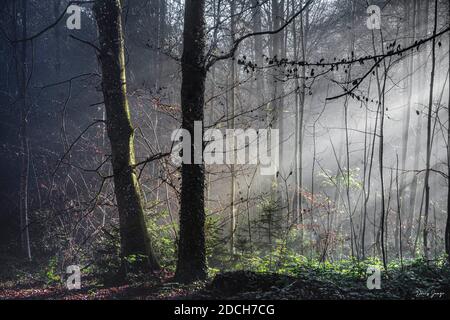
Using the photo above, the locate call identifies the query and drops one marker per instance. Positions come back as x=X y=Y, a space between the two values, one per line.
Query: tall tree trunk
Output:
x=381 y=110
x=369 y=149
x=23 y=134
x=429 y=142
x=233 y=82
x=381 y=167
x=298 y=126
x=191 y=263
x=274 y=113
x=347 y=142
x=422 y=19
x=299 y=116
x=133 y=232
x=409 y=66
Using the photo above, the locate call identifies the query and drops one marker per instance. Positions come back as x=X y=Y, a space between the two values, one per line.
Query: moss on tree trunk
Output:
x=133 y=232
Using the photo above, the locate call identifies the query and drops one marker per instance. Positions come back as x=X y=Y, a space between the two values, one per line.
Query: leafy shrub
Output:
x=51 y=273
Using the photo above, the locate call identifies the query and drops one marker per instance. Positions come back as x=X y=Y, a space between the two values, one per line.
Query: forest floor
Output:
x=417 y=281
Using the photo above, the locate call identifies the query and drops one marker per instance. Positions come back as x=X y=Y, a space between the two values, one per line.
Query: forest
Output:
x=225 y=149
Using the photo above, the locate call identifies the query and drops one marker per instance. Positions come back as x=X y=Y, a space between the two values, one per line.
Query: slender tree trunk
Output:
x=299 y=116
x=399 y=217
x=429 y=143
x=367 y=189
x=411 y=25
x=274 y=113
x=23 y=134
x=279 y=51
x=298 y=126
x=381 y=161
x=364 y=185
x=217 y=16
x=423 y=23
x=232 y=105
x=347 y=142
x=381 y=110
x=191 y=264
x=133 y=232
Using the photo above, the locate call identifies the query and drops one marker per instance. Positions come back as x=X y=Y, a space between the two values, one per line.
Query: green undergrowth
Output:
x=297 y=277
x=280 y=274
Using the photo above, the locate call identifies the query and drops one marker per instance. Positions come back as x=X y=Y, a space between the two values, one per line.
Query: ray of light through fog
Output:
x=89 y=112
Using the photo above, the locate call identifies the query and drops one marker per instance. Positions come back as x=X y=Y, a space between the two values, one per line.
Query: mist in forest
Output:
x=92 y=91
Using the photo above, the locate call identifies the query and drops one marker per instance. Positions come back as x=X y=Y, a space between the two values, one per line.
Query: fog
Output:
x=330 y=203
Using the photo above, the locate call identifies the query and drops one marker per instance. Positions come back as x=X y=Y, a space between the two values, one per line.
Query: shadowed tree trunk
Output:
x=191 y=263
x=23 y=135
x=133 y=232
